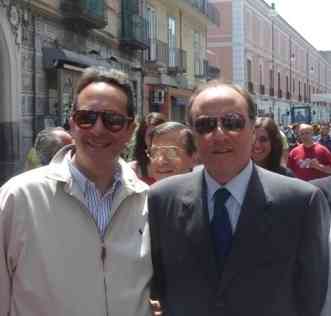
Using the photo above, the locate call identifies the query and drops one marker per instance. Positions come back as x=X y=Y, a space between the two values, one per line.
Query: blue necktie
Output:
x=221 y=226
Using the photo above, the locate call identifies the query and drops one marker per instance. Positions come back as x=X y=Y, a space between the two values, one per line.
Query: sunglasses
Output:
x=114 y=122
x=229 y=122
x=168 y=152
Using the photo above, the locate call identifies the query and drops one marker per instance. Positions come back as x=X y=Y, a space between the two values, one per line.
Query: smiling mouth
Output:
x=98 y=145
x=221 y=151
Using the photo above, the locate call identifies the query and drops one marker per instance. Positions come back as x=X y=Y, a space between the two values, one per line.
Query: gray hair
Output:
x=48 y=143
x=171 y=126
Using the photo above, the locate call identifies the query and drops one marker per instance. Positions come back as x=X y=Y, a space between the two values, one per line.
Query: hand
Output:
x=315 y=164
x=156 y=307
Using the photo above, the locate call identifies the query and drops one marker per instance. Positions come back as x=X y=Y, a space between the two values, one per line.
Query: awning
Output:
x=59 y=58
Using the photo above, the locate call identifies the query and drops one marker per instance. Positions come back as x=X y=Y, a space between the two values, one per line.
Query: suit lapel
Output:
x=251 y=231
x=194 y=219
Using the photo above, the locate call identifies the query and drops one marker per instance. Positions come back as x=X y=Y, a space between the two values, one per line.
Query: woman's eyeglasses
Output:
x=168 y=152
x=114 y=122
x=229 y=122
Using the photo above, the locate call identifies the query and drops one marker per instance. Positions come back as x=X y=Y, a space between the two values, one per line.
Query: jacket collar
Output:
x=59 y=171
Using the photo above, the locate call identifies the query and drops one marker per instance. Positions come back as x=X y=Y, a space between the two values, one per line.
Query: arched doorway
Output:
x=9 y=102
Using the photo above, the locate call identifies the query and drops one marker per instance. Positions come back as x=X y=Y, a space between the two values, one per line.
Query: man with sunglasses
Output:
x=74 y=235
x=232 y=238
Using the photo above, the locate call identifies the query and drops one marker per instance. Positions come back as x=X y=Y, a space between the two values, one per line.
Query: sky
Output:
x=309 y=18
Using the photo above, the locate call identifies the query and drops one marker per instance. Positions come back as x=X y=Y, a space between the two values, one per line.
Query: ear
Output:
x=71 y=124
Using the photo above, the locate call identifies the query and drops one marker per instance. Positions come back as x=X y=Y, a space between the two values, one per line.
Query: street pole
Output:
x=272 y=15
x=291 y=88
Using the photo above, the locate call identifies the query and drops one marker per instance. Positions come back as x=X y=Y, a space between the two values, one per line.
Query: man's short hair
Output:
x=168 y=127
x=217 y=83
x=113 y=77
x=48 y=143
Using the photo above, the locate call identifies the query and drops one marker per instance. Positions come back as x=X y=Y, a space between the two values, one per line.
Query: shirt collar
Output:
x=84 y=183
x=237 y=186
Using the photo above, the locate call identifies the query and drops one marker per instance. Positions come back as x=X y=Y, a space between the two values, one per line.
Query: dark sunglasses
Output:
x=114 y=122
x=229 y=122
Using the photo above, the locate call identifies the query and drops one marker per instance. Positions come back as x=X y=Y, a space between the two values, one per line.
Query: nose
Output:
x=99 y=127
x=219 y=131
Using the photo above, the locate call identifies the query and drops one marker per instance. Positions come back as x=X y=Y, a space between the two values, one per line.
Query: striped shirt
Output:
x=98 y=204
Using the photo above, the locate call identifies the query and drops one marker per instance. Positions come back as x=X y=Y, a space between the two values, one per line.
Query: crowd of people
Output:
x=225 y=215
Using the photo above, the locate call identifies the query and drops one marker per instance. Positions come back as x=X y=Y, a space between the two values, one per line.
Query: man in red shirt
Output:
x=309 y=160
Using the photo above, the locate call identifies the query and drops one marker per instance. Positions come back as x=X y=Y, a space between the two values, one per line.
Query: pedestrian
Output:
x=74 y=236
x=141 y=162
x=172 y=151
x=49 y=141
x=268 y=146
x=232 y=238
x=325 y=185
x=309 y=160
x=324 y=137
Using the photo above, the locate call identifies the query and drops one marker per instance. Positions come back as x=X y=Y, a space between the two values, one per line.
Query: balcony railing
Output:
x=207 y=9
x=262 y=89
x=251 y=87
x=158 y=52
x=200 y=67
x=271 y=92
x=177 y=60
x=134 y=31
x=91 y=14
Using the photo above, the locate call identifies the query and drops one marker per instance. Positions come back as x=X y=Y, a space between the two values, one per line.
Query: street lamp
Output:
x=292 y=60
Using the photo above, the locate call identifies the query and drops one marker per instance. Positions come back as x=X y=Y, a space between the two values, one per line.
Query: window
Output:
x=271 y=78
x=172 y=40
x=152 y=32
x=197 y=53
x=249 y=70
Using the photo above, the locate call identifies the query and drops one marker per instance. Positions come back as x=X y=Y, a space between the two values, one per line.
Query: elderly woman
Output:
x=268 y=148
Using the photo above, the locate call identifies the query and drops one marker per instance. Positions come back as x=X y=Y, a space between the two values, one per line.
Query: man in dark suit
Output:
x=325 y=185
x=233 y=239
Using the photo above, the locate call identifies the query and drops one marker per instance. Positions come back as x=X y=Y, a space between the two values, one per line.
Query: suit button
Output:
x=220 y=305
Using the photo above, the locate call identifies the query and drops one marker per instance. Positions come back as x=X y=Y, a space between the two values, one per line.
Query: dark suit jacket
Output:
x=325 y=185
x=278 y=265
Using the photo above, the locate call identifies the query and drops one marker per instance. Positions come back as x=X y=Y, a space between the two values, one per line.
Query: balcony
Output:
x=207 y=9
x=280 y=93
x=91 y=14
x=134 y=31
x=251 y=87
x=262 y=89
x=271 y=92
x=157 y=53
x=177 y=61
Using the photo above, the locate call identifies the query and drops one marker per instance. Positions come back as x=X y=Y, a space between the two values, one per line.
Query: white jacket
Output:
x=52 y=261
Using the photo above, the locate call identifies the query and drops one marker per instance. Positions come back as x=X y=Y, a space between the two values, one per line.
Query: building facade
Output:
x=176 y=60
x=255 y=47
x=44 y=46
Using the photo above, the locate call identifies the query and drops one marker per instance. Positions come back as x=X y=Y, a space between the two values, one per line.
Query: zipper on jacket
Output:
x=103 y=256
